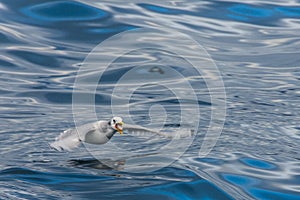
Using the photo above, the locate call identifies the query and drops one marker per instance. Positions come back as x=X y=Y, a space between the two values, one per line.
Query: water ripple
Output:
x=64 y=11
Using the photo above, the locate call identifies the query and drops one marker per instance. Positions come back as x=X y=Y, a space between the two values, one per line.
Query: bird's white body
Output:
x=100 y=133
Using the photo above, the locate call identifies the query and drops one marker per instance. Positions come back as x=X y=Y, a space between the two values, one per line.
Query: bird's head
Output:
x=117 y=124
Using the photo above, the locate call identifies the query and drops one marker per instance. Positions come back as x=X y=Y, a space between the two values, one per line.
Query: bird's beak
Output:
x=119 y=127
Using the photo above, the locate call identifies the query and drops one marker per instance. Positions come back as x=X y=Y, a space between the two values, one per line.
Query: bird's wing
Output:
x=67 y=140
x=141 y=130
x=71 y=138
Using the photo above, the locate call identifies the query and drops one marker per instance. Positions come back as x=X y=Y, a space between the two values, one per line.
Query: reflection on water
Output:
x=97 y=164
x=255 y=46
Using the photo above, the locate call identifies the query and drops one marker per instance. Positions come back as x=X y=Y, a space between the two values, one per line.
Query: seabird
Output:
x=99 y=132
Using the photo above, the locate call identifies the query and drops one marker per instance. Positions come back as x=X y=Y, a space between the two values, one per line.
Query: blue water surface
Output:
x=256 y=47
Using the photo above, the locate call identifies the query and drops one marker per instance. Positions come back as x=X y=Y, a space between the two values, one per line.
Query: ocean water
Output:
x=253 y=44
